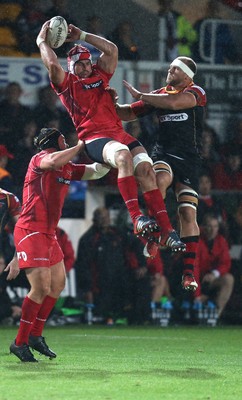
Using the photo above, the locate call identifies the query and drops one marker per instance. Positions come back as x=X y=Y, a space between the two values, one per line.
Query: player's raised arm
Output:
x=108 y=59
x=49 y=57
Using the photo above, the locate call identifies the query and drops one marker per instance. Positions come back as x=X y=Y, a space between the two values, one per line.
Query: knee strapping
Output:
x=187 y=198
x=141 y=157
x=112 y=150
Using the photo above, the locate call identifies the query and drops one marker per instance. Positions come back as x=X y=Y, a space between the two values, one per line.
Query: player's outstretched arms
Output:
x=58 y=159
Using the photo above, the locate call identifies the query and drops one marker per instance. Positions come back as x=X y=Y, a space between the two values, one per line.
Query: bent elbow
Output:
x=113 y=49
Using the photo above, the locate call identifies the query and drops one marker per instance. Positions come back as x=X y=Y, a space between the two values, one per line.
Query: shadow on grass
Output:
x=192 y=373
x=54 y=368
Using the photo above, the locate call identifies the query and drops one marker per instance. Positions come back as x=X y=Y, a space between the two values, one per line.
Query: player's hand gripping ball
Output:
x=57 y=32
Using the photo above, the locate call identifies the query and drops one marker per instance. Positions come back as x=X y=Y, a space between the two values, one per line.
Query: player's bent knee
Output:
x=111 y=151
x=140 y=158
x=187 y=198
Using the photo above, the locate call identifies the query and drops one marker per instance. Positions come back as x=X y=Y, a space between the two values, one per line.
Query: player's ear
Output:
x=61 y=142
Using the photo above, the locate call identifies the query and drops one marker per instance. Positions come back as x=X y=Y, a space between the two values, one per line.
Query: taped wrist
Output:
x=39 y=41
x=83 y=35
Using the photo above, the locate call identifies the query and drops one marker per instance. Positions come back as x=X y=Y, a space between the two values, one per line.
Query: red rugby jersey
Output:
x=90 y=105
x=44 y=193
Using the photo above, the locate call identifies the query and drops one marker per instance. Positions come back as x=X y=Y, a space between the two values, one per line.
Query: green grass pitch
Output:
x=127 y=363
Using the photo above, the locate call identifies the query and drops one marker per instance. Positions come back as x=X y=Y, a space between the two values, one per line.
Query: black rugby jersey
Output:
x=180 y=131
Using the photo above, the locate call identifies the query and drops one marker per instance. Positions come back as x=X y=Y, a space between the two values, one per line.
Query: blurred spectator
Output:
x=139 y=282
x=122 y=36
x=213 y=265
x=6 y=180
x=28 y=25
x=235 y=224
x=235 y=138
x=61 y=7
x=159 y=282
x=10 y=311
x=148 y=283
x=25 y=152
x=227 y=175
x=147 y=280
x=10 y=209
x=9 y=12
x=94 y=25
x=209 y=203
x=180 y=34
x=209 y=148
x=225 y=50
x=13 y=116
x=47 y=109
x=66 y=247
x=101 y=269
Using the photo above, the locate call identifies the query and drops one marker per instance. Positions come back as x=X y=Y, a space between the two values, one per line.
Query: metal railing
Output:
x=212 y=24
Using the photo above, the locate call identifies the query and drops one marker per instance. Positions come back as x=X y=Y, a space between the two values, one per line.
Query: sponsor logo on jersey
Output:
x=22 y=255
x=63 y=180
x=93 y=85
x=173 y=117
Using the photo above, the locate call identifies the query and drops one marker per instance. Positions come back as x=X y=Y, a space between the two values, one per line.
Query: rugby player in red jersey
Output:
x=46 y=184
x=180 y=108
x=84 y=91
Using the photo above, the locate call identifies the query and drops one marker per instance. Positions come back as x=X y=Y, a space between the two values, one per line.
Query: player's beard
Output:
x=172 y=81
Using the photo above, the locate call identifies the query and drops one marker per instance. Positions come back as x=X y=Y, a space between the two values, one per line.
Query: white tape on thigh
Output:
x=112 y=150
x=162 y=166
x=141 y=157
x=187 y=198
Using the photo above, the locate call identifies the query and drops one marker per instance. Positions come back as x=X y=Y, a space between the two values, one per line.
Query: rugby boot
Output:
x=173 y=242
x=38 y=343
x=144 y=225
x=152 y=246
x=189 y=283
x=22 y=352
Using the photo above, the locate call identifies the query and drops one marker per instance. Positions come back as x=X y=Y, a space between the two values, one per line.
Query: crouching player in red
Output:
x=39 y=254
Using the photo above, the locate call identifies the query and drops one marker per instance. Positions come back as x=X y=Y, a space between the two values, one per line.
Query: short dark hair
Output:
x=47 y=138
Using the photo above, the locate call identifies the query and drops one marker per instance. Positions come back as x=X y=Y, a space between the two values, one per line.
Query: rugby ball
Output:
x=57 y=32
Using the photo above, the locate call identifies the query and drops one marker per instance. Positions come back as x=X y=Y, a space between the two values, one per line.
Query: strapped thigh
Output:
x=141 y=157
x=162 y=166
x=187 y=198
x=112 y=150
